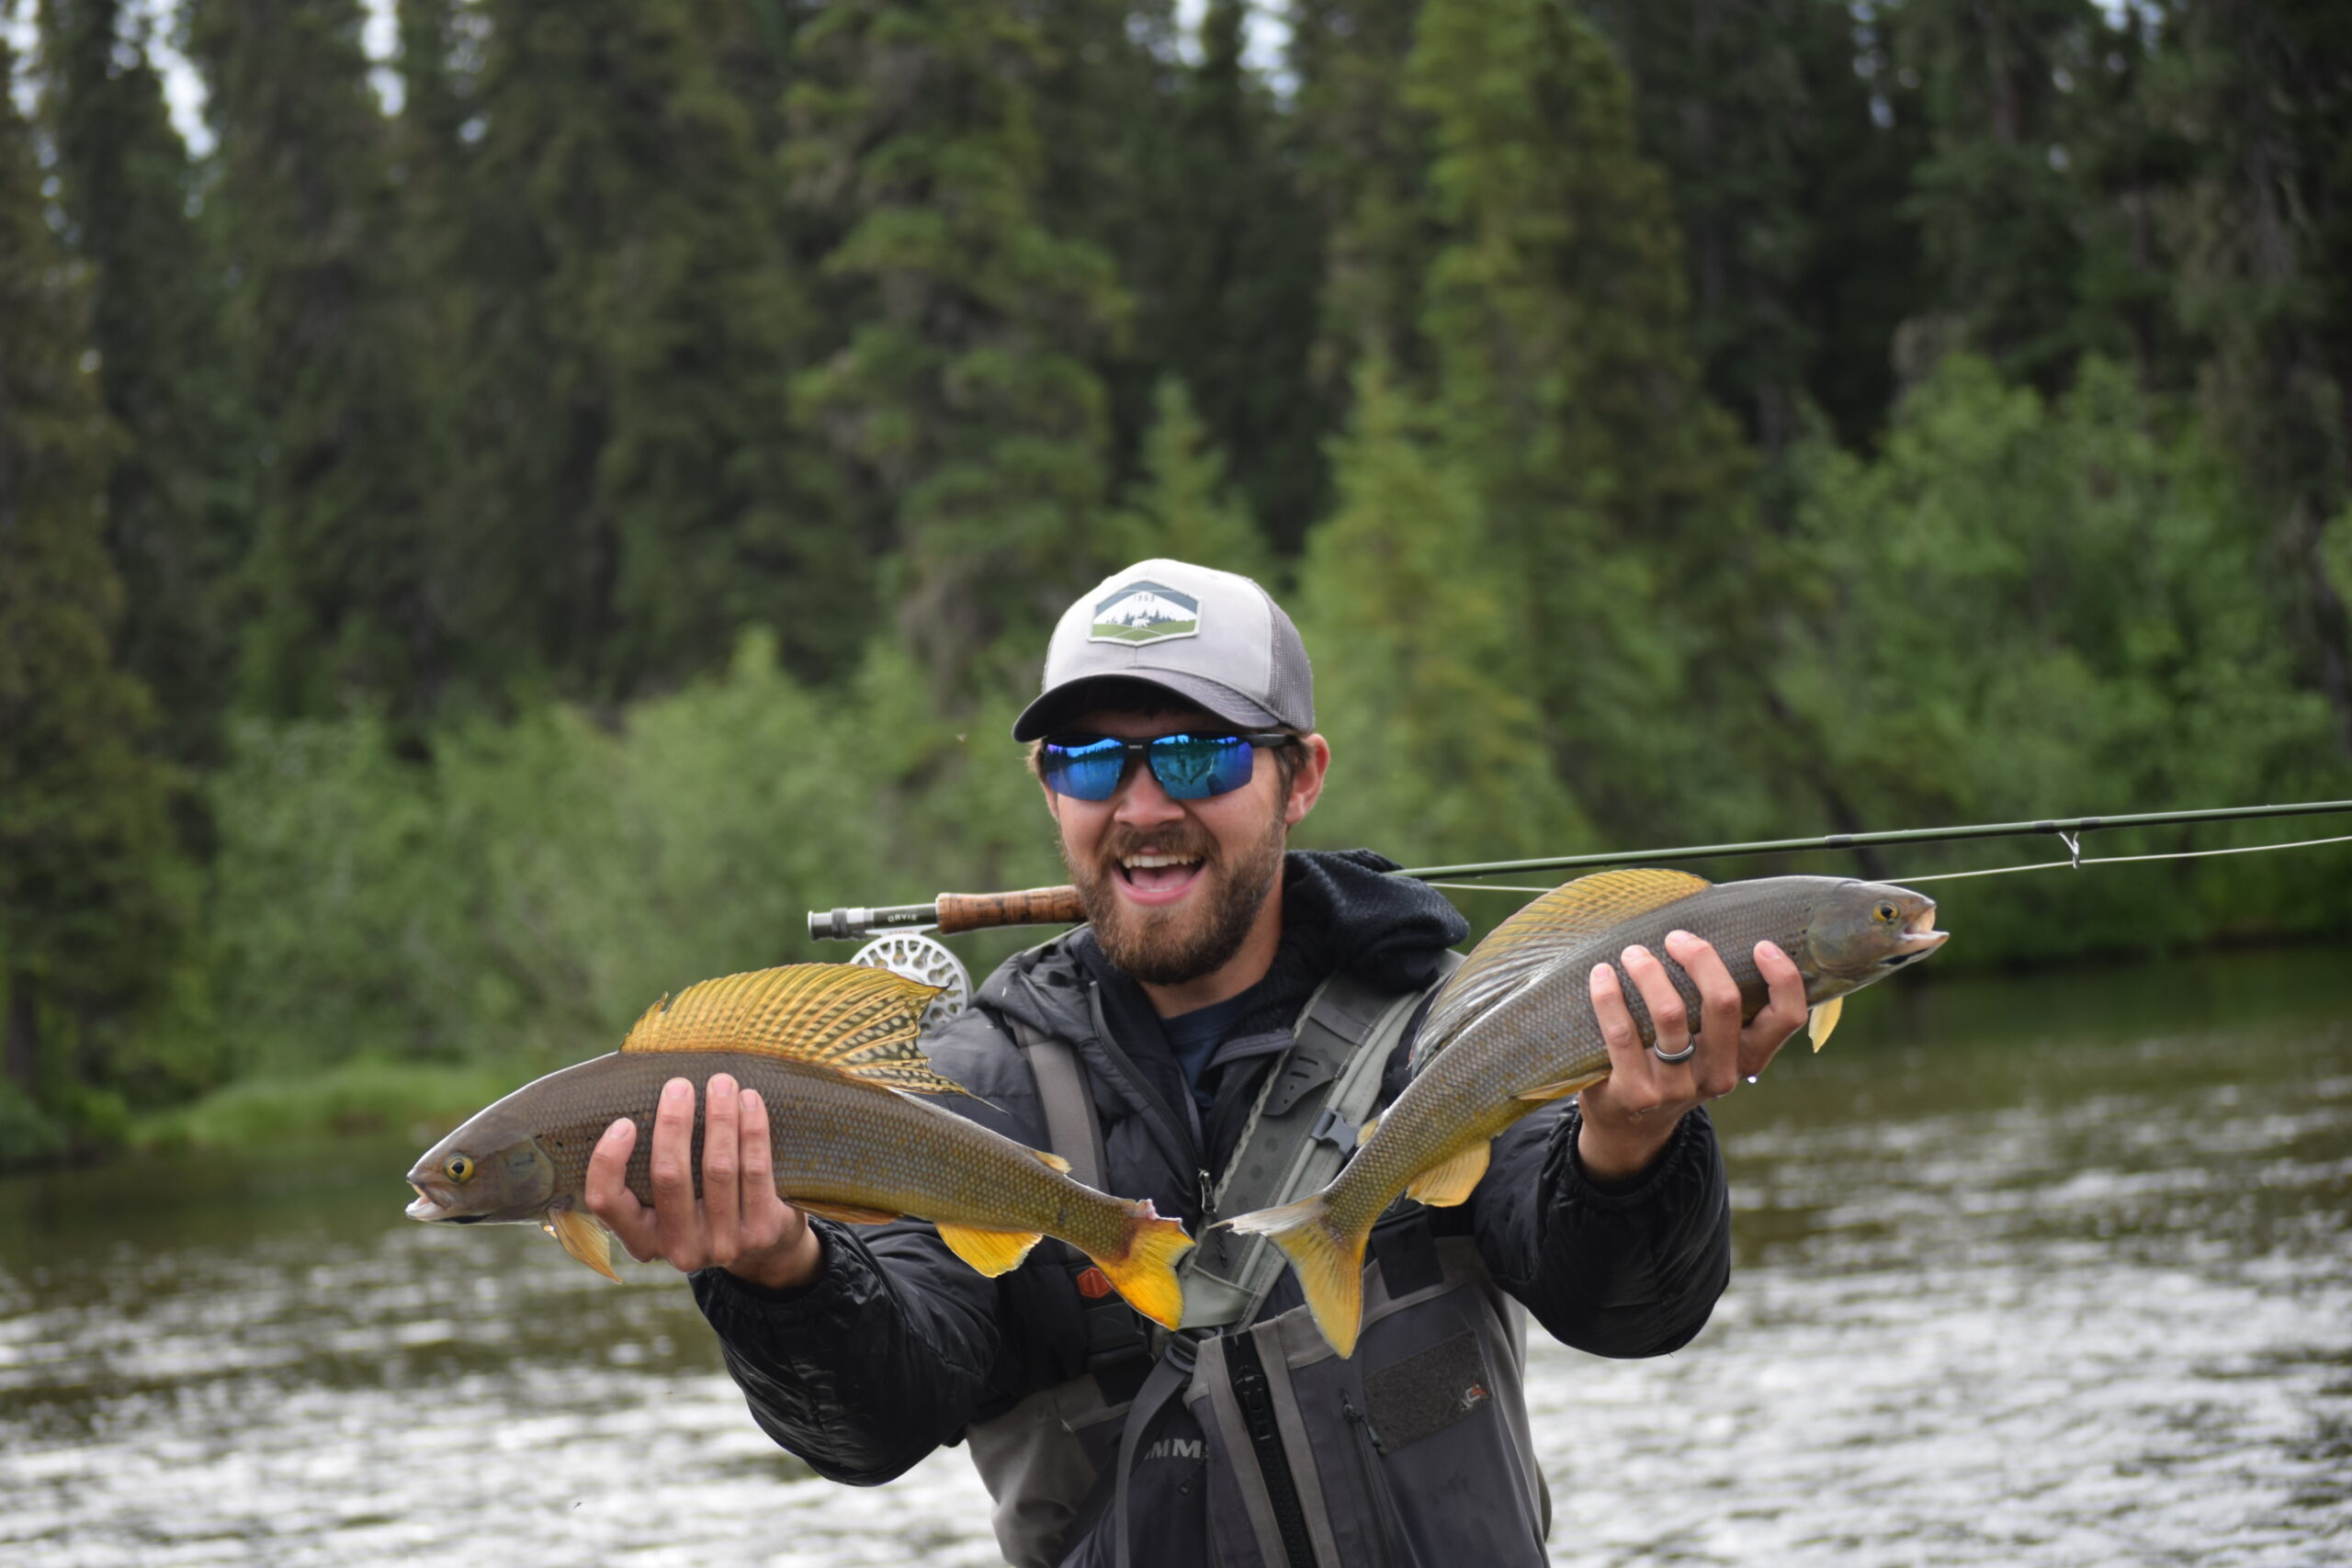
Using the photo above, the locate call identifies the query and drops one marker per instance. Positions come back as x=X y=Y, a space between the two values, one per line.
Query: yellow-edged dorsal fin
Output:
x=1537 y=937
x=1562 y=1089
x=864 y=1022
x=584 y=1237
x=1443 y=1186
x=1824 y=1019
x=1052 y=1161
x=990 y=1252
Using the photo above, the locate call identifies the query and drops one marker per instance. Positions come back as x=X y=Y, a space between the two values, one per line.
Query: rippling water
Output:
x=2052 y=1271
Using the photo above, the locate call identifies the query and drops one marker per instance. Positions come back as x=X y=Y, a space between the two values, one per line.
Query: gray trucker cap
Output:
x=1211 y=638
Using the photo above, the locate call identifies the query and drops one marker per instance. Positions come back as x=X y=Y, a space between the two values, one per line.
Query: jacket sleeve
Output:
x=898 y=1345
x=885 y=1355
x=1615 y=1272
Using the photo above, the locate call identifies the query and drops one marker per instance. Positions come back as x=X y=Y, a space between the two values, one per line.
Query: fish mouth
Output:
x=429 y=1204
x=1919 y=939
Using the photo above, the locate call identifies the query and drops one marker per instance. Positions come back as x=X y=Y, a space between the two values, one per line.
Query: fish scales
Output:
x=835 y=1052
x=1515 y=1027
x=1546 y=1032
x=832 y=1140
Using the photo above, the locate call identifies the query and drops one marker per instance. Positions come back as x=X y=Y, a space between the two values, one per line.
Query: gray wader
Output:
x=1298 y=1443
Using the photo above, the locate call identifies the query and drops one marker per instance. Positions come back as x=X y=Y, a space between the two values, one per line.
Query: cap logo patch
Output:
x=1146 y=612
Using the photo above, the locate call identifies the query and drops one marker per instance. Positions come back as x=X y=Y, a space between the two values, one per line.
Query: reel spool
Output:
x=918 y=957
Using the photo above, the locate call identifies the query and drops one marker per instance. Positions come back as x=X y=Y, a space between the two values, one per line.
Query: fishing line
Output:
x=2076 y=864
x=2118 y=860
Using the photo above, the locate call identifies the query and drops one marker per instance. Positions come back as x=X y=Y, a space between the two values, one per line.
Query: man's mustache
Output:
x=1120 y=846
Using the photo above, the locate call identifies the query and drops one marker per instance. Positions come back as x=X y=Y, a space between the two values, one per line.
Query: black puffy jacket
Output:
x=897 y=1347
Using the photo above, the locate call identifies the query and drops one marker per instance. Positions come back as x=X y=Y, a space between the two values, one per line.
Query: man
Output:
x=861 y=1349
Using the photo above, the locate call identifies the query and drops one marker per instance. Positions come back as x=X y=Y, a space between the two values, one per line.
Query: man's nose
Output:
x=1142 y=802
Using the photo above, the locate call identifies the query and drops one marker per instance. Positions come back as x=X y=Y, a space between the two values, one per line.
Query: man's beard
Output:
x=1171 y=946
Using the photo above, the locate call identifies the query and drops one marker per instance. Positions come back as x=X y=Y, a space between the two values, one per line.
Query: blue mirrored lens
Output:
x=1192 y=767
x=1086 y=770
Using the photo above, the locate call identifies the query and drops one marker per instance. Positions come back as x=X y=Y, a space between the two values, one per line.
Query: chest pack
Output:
x=1061 y=1459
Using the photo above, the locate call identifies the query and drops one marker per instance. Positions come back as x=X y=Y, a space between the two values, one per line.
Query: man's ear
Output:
x=1307 y=784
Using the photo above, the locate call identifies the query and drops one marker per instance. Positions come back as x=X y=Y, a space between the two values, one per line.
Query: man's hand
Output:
x=1630 y=1114
x=739 y=1223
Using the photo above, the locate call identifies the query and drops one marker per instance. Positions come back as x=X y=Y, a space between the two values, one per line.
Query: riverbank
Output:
x=355 y=1099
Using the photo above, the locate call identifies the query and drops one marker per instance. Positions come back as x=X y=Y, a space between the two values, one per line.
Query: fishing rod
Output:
x=953 y=912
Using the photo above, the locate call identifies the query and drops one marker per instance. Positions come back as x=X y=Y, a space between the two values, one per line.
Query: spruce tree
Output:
x=1363 y=153
x=1612 y=488
x=1226 y=279
x=1420 y=654
x=2263 y=224
x=342 y=599
x=964 y=398
x=1184 y=506
x=175 y=521
x=633 y=495
x=89 y=911
x=1791 y=196
x=2024 y=251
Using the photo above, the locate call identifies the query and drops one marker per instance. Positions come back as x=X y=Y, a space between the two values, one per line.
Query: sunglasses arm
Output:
x=953 y=912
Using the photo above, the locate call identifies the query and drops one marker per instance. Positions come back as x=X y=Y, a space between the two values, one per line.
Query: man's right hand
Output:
x=739 y=1223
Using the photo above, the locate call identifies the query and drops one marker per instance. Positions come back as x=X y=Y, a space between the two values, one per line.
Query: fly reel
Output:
x=920 y=958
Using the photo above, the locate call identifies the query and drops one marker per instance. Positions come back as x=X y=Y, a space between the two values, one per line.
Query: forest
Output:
x=499 y=527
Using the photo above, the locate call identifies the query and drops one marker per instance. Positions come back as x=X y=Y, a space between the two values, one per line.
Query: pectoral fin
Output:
x=1442 y=1187
x=990 y=1252
x=1562 y=1089
x=584 y=1237
x=1825 y=1019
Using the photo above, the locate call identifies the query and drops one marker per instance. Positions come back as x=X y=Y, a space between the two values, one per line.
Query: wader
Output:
x=1414 y=1452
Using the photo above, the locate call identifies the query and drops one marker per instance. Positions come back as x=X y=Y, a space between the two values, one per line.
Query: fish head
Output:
x=1861 y=932
x=479 y=1174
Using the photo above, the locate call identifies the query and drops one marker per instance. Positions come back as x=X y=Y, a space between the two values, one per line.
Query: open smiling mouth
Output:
x=1159 y=875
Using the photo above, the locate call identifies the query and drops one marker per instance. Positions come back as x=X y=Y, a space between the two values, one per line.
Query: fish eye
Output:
x=457 y=1167
x=1886 y=911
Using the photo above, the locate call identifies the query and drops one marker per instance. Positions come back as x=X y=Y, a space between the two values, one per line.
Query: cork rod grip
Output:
x=1031 y=906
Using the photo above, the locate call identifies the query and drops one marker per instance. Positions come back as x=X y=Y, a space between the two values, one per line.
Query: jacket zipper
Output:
x=1390 y=1528
x=1255 y=1395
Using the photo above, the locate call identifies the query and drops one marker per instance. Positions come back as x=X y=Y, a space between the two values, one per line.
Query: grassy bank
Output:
x=356 y=1099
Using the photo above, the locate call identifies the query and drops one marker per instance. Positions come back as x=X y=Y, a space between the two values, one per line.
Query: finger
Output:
x=673 y=1178
x=1631 y=1083
x=1670 y=1021
x=609 y=1198
x=764 y=1213
x=721 y=1150
x=1716 y=1067
x=1781 y=1016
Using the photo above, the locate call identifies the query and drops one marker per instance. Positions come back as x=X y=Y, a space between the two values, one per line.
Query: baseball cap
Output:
x=1215 y=638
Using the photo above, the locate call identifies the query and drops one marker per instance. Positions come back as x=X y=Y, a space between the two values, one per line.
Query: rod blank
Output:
x=953 y=912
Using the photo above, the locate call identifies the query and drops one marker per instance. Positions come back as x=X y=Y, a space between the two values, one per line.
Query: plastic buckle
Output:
x=1329 y=1129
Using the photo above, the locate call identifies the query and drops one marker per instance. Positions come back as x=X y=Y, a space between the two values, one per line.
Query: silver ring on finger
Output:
x=1689 y=1049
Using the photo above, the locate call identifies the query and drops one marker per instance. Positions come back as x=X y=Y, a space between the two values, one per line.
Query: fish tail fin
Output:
x=1146 y=1272
x=1329 y=1265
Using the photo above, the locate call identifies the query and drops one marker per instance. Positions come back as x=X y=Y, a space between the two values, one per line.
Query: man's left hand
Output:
x=1630 y=1114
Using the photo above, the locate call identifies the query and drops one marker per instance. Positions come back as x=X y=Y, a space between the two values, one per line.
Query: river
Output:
x=2050 y=1270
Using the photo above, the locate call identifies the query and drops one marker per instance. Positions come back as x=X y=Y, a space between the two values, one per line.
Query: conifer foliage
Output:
x=609 y=466
x=89 y=906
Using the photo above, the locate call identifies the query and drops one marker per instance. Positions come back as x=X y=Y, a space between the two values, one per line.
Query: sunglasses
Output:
x=1189 y=767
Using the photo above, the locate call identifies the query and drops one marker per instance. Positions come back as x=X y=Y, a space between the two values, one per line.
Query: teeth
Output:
x=1150 y=862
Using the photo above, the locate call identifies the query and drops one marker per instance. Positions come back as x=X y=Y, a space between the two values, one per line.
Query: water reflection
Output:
x=2044 y=1272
